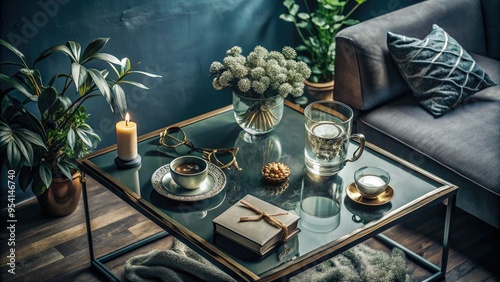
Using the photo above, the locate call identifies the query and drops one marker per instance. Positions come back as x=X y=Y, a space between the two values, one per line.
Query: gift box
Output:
x=256 y=225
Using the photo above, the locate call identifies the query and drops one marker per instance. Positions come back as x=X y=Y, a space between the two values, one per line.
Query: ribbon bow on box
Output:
x=267 y=217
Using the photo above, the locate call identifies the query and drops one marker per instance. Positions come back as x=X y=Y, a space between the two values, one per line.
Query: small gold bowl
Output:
x=276 y=172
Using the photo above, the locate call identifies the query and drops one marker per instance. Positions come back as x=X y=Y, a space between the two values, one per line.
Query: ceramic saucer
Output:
x=165 y=186
x=384 y=198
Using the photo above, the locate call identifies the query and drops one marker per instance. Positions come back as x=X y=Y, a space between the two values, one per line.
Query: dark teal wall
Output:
x=177 y=39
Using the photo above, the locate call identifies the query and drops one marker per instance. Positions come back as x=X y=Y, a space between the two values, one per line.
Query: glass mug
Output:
x=328 y=131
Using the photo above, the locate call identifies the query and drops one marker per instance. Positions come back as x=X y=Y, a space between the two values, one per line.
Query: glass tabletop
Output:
x=285 y=144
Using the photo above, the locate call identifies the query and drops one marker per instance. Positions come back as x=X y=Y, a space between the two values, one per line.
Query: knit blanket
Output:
x=182 y=264
x=359 y=264
x=178 y=264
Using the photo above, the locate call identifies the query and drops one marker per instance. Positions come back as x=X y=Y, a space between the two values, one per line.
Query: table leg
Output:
x=450 y=209
x=439 y=271
x=98 y=263
x=87 y=218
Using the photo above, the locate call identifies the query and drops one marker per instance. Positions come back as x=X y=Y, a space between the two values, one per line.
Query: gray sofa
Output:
x=463 y=145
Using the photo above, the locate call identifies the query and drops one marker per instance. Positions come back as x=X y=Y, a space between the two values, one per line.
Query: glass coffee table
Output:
x=414 y=190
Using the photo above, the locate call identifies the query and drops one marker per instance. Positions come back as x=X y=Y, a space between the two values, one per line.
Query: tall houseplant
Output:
x=317 y=27
x=43 y=121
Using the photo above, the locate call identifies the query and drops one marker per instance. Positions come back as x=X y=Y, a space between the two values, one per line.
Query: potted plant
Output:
x=259 y=83
x=43 y=122
x=317 y=27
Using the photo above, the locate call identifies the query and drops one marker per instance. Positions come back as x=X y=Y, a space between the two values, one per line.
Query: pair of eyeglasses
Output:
x=173 y=137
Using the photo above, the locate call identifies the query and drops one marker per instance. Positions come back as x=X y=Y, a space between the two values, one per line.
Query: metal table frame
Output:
x=372 y=229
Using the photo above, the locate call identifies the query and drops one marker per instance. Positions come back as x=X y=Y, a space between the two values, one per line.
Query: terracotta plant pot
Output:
x=62 y=196
x=319 y=91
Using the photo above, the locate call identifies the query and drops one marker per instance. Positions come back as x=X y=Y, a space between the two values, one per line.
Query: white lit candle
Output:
x=126 y=139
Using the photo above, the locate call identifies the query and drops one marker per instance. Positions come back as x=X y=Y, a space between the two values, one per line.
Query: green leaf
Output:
x=13 y=155
x=39 y=131
x=85 y=127
x=303 y=16
x=104 y=57
x=4 y=136
x=351 y=22
x=102 y=85
x=11 y=63
x=301 y=48
x=75 y=74
x=33 y=137
x=96 y=137
x=13 y=49
x=332 y=47
x=85 y=139
x=120 y=99
x=316 y=70
x=17 y=143
x=18 y=86
x=304 y=59
x=45 y=174
x=64 y=100
x=89 y=131
x=318 y=21
x=125 y=63
x=303 y=24
x=338 y=18
x=93 y=48
x=314 y=42
x=24 y=149
x=58 y=48
x=47 y=99
x=65 y=171
x=71 y=138
x=146 y=73
x=140 y=85
x=286 y=17
x=294 y=9
x=75 y=49
x=288 y=3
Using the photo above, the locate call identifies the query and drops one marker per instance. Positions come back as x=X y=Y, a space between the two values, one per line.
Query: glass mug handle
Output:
x=361 y=139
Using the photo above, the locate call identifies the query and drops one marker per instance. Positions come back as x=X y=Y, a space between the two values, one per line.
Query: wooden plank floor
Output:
x=55 y=249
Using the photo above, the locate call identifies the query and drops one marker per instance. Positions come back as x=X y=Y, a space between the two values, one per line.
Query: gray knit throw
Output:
x=358 y=264
x=181 y=264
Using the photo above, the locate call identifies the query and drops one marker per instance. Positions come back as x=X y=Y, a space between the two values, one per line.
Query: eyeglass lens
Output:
x=174 y=136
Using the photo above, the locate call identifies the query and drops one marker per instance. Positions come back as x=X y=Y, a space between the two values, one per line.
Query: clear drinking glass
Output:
x=328 y=130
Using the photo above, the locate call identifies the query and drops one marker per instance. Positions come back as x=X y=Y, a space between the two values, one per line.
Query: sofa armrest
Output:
x=365 y=75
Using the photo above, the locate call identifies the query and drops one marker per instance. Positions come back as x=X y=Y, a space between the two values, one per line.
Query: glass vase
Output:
x=257 y=116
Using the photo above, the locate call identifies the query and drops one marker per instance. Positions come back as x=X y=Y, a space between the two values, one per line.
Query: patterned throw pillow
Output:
x=440 y=73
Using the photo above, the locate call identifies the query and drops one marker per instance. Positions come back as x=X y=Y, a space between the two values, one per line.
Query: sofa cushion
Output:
x=440 y=73
x=465 y=140
x=366 y=76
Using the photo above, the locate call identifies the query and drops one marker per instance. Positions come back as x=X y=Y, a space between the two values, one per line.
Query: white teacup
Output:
x=371 y=181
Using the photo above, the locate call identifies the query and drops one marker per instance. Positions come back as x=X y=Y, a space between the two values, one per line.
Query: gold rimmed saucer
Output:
x=384 y=198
